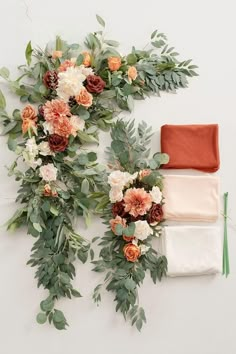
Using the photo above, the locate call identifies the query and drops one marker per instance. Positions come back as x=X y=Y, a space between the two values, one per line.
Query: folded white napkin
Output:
x=192 y=250
x=191 y=198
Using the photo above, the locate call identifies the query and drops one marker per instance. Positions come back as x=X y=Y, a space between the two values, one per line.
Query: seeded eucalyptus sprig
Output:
x=129 y=152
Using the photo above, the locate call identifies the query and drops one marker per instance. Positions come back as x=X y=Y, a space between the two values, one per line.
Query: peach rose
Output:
x=84 y=98
x=28 y=124
x=66 y=64
x=29 y=113
x=48 y=192
x=132 y=73
x=131 y=252
x=117 y=221
x=63 y=127
x=87 y=59
x=56 y=54
x=114 y=63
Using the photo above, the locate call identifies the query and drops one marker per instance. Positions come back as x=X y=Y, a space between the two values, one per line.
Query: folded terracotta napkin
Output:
x=191 y=198
x=191 y=146
x=192 y=250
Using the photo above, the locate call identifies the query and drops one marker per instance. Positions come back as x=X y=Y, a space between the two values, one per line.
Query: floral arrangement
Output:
x=133 y=214
x=68 y=92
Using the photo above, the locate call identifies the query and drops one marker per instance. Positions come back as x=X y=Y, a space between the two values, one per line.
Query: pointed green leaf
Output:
x=28 y=53
x=100 y=21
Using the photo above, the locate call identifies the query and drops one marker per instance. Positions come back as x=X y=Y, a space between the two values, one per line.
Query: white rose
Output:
x=48 y=128
x=86 y=71
x=77 y=124
x=70 y=82
x=32 y=147
x=144 y=249
x=48 y=172
x=117 y=179
x=115 y=195
x=156 y=195
x=142 y=230
x=130 y=178
x=30 y=152
x=44 y=149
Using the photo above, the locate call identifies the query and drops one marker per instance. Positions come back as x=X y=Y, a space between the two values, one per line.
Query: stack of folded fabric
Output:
x=192 y=250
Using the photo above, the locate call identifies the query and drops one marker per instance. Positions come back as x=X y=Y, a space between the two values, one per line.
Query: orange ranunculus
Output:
x=114 y=63
x=56 y=54
x=132 y=73
x=28 y=124
x=87 y=59
x=117 y=221
x=131 y=252
x=63 y=127
x=84 y=98
x=29 y=113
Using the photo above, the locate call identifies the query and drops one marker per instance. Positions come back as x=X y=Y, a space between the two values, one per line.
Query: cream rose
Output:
x=48 y=172
x=142 y=230
x=77 y=124
x=156 y=195
x=115 y=195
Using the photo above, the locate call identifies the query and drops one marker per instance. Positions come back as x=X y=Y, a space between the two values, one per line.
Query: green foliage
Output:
x=129 y=152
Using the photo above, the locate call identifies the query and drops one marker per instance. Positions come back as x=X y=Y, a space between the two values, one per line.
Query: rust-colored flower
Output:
x=87 y=59
x=118 y=208
x=29 y=113
x=57 y=143
x=84 y=98
x=95 y=84
x=155 y=214
x=63 y=127
x=117 y=221
x=137 y=201
x=132 y=73
x=131 y=252
x=50 y=79
x=114 y=63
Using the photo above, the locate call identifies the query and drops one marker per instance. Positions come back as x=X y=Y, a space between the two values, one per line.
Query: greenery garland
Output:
x=133 y=214
x=69 y=91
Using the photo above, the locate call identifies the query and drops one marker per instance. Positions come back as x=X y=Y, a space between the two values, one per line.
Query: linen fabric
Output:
x=191 y=146
x=191 y=198
x=192 y=250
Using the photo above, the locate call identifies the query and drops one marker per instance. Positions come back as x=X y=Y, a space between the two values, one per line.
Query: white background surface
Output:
x=185 y=315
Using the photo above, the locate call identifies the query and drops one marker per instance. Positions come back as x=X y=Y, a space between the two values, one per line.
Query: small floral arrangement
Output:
x=133 y=214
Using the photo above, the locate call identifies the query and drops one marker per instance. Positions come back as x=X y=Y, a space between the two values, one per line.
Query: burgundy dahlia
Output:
x=155 y=214
x=95 y=84
x=50 y=79
x=57 y=143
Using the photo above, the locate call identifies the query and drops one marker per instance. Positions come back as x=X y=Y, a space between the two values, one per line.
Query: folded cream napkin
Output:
x=191 y=198
x=192 y=250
